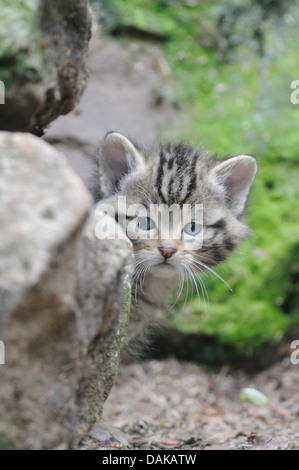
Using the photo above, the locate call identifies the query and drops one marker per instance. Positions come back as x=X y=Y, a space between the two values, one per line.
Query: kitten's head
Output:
x=184 y=210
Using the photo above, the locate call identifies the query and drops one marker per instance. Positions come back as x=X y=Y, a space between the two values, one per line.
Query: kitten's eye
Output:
x=192 y=229
x=145 y=223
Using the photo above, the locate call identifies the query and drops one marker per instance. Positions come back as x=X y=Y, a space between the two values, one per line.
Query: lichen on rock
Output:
x=64 y=299
x=43 y=52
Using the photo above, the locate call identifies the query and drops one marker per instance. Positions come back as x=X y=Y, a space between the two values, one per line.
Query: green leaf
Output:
x=254 y=396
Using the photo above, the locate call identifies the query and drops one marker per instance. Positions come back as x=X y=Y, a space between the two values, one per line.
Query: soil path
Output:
x=172 y=405
x=129 y=91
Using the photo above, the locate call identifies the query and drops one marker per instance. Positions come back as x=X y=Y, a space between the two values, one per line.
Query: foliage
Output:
x=16 y=48
x=233 y=63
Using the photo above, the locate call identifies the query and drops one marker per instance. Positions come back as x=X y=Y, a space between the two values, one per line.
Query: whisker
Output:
x=141 y=279
x=135 y=280
x=187 y=284
x=180 y=288
x=147 y=268
x=142 y=267
x=206 y=257
x=212 y=271
x=202 y=284
x=193 y=281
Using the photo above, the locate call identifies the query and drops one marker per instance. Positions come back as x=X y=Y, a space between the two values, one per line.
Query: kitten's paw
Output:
x=106 y=434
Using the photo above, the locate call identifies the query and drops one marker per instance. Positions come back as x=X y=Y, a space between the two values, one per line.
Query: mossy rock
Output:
x=43 y=51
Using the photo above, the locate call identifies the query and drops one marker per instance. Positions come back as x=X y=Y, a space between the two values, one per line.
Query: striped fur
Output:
x=175 y=174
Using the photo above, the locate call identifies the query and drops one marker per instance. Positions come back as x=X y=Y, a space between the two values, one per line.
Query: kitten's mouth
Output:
x=165 y=267
x=165 y=264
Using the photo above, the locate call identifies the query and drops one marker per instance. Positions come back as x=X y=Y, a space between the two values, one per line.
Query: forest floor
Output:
x=167 y=404
x=172 y=405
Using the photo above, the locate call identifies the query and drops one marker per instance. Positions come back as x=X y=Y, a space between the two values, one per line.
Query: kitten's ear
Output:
x=236 y=175
x=117 y=158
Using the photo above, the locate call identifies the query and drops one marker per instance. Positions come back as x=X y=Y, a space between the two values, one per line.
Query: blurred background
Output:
x=218 y=75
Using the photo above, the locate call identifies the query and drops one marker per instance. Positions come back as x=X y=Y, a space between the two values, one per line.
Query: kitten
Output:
x=179 y=176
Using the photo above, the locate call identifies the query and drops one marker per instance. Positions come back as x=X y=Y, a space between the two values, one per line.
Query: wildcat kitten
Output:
x=180 y=176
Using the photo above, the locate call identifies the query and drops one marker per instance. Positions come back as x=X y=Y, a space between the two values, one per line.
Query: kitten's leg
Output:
x=105 y=433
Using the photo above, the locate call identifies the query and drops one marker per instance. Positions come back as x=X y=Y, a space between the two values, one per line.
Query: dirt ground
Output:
x=172 y=405
x=167 y=404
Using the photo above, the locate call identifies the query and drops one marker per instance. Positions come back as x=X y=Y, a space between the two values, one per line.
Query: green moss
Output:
x=125 y=310
x=20 y=50
x=253 y=115
x=233 y=63
x=5 y=444
x=18 y=18
x=126 y=305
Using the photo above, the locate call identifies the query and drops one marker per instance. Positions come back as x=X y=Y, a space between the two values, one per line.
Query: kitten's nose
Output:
x=167 y=250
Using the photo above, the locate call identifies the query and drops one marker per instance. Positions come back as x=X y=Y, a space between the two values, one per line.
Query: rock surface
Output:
x=43 y=52
x=64 y=300
x=124 y=85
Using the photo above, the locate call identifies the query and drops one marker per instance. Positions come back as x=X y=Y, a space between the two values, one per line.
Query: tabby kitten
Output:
x=173 y=175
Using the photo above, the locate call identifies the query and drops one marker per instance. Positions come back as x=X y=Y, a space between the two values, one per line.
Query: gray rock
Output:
x=43 y=52
x=64 y=300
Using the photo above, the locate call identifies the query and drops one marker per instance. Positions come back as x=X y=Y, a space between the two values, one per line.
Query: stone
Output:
x=64 y=300
x=43 y=53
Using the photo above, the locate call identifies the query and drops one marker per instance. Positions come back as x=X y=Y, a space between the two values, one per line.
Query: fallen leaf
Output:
x=254 y=396
x=262 y=442
x=171 y=442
